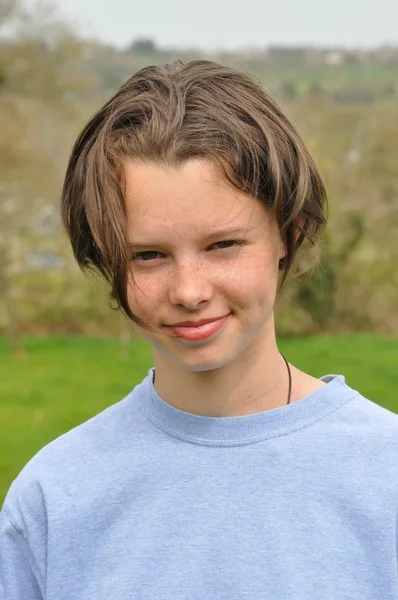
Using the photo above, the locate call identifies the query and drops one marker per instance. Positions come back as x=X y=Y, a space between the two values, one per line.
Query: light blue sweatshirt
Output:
x=147 y=502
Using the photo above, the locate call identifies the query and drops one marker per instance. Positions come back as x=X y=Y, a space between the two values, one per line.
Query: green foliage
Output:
x=59 y=302
x=316 y=294
x=289 y=89
x=68 y=380
x=315 y=88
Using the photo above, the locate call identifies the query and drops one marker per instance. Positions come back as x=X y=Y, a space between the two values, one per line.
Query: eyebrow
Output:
x=238 y=231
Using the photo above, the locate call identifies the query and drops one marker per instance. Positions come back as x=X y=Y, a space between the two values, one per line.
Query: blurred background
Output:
x=333 y=67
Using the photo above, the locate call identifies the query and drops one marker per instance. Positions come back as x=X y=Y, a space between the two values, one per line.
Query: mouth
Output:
x=198 y=330
x=195 y=323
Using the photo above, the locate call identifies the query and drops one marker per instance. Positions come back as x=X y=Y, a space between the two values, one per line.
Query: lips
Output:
x=197 y=331
x=195 y=323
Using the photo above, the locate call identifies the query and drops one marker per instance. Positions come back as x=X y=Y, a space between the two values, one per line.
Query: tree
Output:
x=8 y=8
x=289 y=89
x=357 y=284
x=37 y=96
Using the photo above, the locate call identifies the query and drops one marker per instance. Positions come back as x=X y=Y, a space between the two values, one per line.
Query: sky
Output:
x=230 y=24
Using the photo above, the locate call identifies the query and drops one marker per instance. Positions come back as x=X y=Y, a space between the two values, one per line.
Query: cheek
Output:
x=254 y=277
x=252 y=288
x=145 y=294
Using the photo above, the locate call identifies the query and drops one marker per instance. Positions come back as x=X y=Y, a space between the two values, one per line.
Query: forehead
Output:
x=193 y=196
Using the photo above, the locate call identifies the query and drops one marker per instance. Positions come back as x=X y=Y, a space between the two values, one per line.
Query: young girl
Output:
x=227 y=473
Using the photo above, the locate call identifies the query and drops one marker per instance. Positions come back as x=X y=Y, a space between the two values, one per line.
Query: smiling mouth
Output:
x=199 y=330
x=196 y=323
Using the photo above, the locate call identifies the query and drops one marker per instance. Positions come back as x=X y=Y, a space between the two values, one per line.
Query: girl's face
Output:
x=200 y=250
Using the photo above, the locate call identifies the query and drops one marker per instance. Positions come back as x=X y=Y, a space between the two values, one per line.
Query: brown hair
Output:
x=173 y=113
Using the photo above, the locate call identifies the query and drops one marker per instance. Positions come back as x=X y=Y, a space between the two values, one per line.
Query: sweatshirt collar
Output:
x=246 y=429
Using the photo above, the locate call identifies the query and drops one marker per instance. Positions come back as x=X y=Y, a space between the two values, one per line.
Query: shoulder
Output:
x=356 y=442
x=377 y=427
x=372 y=415
x=365 y=424
x=69 y=462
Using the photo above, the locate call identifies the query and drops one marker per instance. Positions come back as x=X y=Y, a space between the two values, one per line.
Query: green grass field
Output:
x=63 y=382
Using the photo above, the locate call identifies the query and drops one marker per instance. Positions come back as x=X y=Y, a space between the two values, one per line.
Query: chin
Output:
x=196 y=363
x=202 y=367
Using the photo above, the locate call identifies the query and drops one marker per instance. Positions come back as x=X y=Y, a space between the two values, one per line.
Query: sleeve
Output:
x=17 y=577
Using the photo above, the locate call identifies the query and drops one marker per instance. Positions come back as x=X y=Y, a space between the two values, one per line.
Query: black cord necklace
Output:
x=290 y=378
x=288 y=370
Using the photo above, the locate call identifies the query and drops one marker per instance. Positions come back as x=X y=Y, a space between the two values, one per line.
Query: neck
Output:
x=255 y=381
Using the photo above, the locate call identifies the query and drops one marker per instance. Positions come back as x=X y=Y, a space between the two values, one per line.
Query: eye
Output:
x=147 y=256
x=151 y=255
x=225 y=244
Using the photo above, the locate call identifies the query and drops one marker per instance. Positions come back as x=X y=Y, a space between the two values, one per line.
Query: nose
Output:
x=190 y=285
